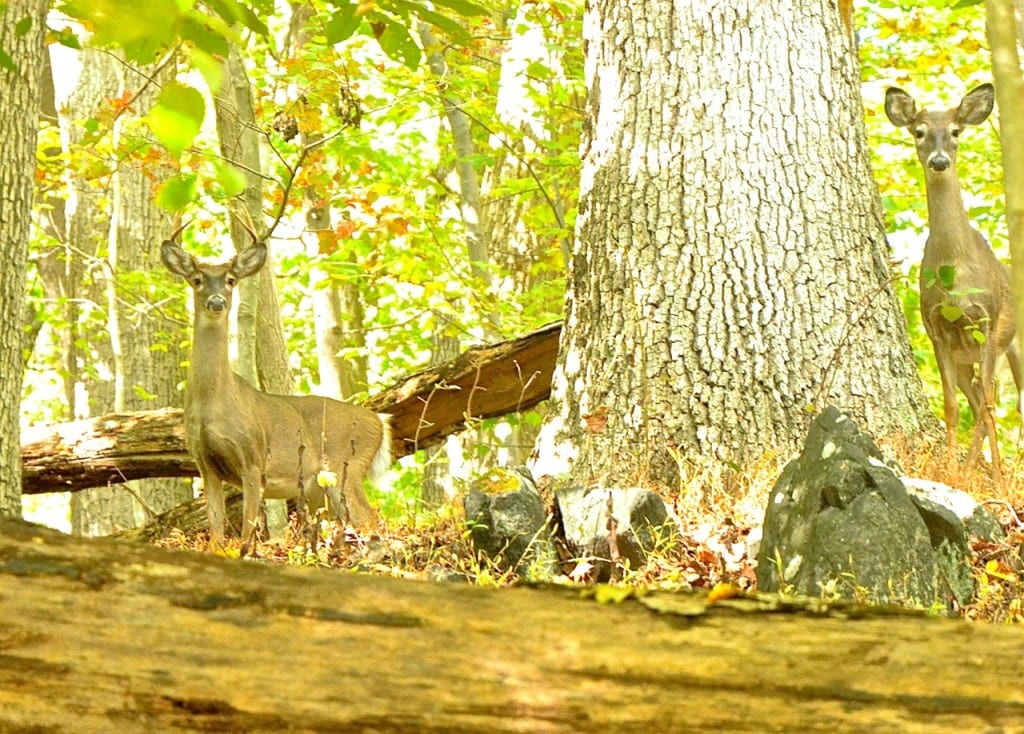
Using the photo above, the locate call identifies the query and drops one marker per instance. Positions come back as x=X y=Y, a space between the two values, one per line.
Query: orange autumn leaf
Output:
x=345 y=229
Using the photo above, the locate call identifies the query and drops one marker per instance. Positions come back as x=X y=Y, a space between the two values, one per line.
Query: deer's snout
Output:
x=938 y=162
x=216 y=303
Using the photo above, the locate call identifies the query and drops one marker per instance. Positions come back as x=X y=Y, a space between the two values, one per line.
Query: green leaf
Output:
x=462 y=7
x=210 y=67
x=231 y=180
x=6 y=62
x=140 y=29
x=177 y=117
x=397 y=43
x=67 y=37
x=342 y=24
x=232 y=12
x=203 y=37
x=23 y=26
x=978 y=335
x=177 y=192
x=951 y=312
x=451 y=27
x=947 y=276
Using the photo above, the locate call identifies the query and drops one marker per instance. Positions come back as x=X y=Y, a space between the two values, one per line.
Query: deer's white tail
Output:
x=382 y=459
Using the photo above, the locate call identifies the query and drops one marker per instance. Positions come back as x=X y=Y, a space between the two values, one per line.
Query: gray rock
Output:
x=976 y=519
x=839 y=521
x=509 y=524
x=642 y=525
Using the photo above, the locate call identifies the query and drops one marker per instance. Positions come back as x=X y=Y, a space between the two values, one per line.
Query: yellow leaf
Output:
x=723 y=591
x=327 y=478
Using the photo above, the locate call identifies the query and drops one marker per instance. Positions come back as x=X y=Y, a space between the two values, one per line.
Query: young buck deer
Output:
x=276 y=446
x=966 y=304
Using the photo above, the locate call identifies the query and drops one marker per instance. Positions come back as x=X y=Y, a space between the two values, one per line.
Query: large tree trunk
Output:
x=19 y=113
x=730 y=273
x=103 y=636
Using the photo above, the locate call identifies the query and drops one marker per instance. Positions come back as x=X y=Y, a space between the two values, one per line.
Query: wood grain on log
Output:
x=103 y=636
x=425 y=407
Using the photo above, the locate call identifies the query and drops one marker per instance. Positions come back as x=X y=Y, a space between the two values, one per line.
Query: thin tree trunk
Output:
x=338 y=314
x=730 y=274
x=145 y=366
x=262 y=352
x=516 y=247
x=1004 y=39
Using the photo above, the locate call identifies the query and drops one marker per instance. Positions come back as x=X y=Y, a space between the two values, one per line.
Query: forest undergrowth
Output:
x=719 y=510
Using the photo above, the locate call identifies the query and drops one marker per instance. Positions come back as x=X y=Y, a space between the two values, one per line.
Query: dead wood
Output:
x=483 y=382
x=102 y=636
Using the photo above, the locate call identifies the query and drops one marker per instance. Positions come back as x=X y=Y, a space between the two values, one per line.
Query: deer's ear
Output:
x=249 y=260
x=899 y=107
x=976 y=105
x=176 y=259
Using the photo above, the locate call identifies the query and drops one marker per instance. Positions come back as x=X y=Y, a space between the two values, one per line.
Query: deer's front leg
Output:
x=252 y=496
x=213 y=488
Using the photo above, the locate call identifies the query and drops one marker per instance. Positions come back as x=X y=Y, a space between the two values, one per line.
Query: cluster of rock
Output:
x=839 y=521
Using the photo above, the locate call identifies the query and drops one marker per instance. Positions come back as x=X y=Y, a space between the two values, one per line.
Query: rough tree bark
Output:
x=107 y=636
x=730 y=274
x=19 y=113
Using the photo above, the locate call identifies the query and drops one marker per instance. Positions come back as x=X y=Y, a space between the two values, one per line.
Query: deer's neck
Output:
x=211 y=372
x=949 y=230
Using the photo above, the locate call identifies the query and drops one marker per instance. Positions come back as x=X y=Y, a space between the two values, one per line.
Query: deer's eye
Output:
x=955 y=132
x=919 y=134
x=196 y=281
x=230 y=280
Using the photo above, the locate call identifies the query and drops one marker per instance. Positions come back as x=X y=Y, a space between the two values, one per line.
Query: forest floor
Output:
x=720 y=511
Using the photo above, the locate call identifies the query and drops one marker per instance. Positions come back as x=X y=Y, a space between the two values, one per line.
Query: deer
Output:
x=966 y=302
x=274 y=446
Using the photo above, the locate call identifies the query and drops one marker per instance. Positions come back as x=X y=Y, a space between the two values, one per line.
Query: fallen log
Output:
x=105 y=636
x=483 y=382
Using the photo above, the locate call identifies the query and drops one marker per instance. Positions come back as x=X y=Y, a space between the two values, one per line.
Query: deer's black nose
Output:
x=216 y=303
x=938 y=163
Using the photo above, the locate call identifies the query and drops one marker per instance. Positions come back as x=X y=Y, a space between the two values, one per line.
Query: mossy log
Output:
x=102 y=636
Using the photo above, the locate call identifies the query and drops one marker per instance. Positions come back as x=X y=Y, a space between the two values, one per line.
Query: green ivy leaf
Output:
x=979 y=336
x=947 y=276
x=23 y=26
x=177 y=117
x=6 y=62
x=951 y=312
x=177 y=192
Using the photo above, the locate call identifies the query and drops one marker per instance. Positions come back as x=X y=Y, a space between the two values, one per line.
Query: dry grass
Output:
x=717 y=507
